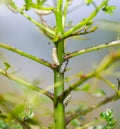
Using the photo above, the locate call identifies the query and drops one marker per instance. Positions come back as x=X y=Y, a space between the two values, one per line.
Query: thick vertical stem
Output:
x=59 y=111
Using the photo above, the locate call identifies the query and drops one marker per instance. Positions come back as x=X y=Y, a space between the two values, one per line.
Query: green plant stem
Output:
x=89 y=109
x=76 y=84
x=22 y=53
x=41 y=26
x=94 y=48
x=26 y=84
x=59 y=110
x=95 y=122
x=110 y=84
x=84 y=22
x=83 y=31
x=106 y=62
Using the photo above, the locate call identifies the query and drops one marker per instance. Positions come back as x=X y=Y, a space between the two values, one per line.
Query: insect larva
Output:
x=63 y=66
x=42 y=12
x=12 y=9
x=70 y=2
x=54 y=56
x=67 y=100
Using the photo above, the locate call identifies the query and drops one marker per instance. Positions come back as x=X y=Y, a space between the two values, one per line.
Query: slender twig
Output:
x=118 y=84
x=59 y=5
x=26 y=84
x=106 y=62
x=84 y=31
x=47 y=26
x=22 y=53
x=59 y=110
x=90 y=124
x=50 y=31
x=76 y=84
x=89 y=109
x=94 y=48
x=65 y=13
x=84 y=22
x=109 y=83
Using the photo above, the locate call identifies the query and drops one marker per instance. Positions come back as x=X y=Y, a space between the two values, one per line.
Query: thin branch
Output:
x=22 y=53
x=110 y=84
x=27 y=84
x=94 y=48
x=89 y=109
x=106 y=62
x=59 y=18
x=41 y=26
x=76 y=84
x=83 y=31
x=84 y=22
x=59 y=5
x=47 y=26
x=11 y=5
x=65 y=13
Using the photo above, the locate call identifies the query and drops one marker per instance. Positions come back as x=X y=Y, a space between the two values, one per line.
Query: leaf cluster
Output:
x=108 y=116
x=30 y=4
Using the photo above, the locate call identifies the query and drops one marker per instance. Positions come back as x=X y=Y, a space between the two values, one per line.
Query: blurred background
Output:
x=18 y=32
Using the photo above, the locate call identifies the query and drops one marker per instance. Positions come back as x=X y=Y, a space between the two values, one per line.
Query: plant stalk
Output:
x=59 y=110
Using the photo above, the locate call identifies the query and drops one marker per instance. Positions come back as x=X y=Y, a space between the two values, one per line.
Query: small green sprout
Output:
x=7 y=66
x=108 y=116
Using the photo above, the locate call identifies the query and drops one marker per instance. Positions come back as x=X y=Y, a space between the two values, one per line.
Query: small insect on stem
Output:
x=42 y=12
x=54 y=56
x=70 y=2
x=63 y=66
x=67 y=100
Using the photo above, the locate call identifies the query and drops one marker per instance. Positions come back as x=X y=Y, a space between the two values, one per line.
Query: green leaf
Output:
x=99 y=92
x=75 y=122
x=3 y=125
x=23 y=111
x=109 y=9
x=86 y=87
x=41 y=2
x=7 y=66
x=19 y=110
x=28 y=4
x=108 y=116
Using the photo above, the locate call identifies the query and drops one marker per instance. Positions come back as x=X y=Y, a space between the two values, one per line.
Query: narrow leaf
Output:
x=7 y=66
